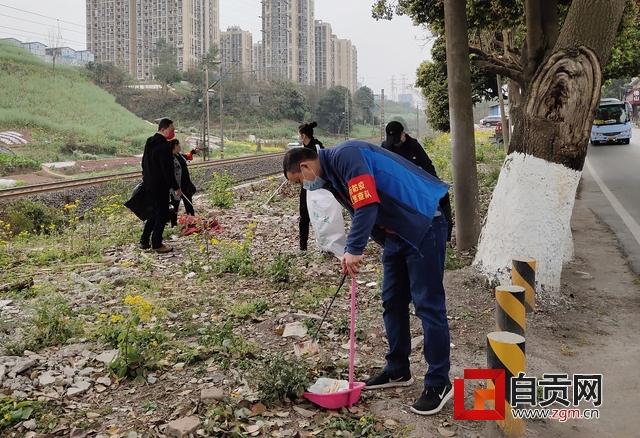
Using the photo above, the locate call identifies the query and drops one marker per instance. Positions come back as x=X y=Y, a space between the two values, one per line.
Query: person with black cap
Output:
x=401 y=143
x=310 y=142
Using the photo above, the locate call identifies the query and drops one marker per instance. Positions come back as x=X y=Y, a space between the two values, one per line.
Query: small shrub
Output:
x=343 y=327
x=25 y=216
x=249 y=310
x=12 y=163
x=366 y=426
x=235 y=258
x=138 y=344
x=226 y=347
x=72 y=147
x=310 y=299
x=53 y=324
x=279 y=270
x=452 y=261
x=220 y=192
x=12 y=412
x=282 y=377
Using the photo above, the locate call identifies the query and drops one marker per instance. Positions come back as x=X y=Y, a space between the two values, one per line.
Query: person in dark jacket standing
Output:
x=181 y=173
x=397 y=204
x=399 y=142
x=158 y=178
x=309 y=142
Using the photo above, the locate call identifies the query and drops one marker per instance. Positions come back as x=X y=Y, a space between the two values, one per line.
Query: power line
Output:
x=23 y=32
x=42 y=15
x=41 y=24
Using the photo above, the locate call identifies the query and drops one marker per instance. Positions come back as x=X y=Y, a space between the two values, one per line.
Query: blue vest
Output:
x=408 y=196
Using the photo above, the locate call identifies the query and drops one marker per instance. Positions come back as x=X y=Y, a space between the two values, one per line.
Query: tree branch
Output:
x=492 y=62
x=511 y=73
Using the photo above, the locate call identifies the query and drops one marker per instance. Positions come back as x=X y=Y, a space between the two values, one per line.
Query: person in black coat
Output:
x=158 y=178
x=181 y=173
x=401 y=143
x=309 y=142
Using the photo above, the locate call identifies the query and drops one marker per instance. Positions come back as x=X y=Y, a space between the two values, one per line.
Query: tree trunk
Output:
x=531 y=208
x=465 y=179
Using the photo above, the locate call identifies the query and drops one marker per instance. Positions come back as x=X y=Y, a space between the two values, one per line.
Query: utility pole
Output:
x=347 y=115
x=205 y=61
x=221 y=93
x=382 y=115
x=205 y=119
x=418 y=122
x=465 y=173
x=393 y=88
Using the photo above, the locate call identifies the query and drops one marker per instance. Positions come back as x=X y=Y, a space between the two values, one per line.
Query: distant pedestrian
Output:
x=401 y=143
x=158 y=177
x=181 y=173
x=309 y=142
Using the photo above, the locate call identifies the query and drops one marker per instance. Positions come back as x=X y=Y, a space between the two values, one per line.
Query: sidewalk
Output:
x=594 y=329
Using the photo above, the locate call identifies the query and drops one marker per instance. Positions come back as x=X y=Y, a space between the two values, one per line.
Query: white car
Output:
x=293 y=145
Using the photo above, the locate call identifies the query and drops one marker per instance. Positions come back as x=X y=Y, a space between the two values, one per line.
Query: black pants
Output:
x=188 y=207
x=304 y=220
x=154 y=227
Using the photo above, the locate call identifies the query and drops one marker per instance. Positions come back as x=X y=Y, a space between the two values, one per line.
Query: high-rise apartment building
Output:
x=126 y=32
x=324 y=55
x=257 y=62
x=288 y=30
x=354 y=68
x=236 y=50
x=344 y=64
x=111 y=32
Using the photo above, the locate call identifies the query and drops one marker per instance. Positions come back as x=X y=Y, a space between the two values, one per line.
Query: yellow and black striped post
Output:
x=510 y=313
x=506 y=351
x=523 y=273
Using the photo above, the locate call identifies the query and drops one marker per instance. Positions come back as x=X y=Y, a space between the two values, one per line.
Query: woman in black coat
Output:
x=308 y=141
x=181 y=171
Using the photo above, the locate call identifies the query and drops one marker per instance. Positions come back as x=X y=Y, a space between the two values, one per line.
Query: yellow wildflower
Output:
x=116 y=318
x=143 y=307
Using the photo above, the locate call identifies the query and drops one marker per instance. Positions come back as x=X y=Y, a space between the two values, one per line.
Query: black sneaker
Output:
x=384 y=380
x=433 y=400
x=145 y=246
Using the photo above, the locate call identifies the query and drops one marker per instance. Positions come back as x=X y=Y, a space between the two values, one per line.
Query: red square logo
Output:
x=480 y=396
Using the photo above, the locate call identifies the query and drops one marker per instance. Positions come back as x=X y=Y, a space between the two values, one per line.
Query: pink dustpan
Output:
x=346 y=397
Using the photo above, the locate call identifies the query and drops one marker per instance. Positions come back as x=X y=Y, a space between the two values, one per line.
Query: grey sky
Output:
x=385 y=49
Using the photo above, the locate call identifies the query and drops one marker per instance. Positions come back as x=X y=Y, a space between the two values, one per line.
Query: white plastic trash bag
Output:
x=326 y=217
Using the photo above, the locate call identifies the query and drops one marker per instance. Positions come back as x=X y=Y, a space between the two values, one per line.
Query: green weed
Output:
x=279 y=270
x=282 y=377
x=249 y=310
x=220 y=190
x=12 y=412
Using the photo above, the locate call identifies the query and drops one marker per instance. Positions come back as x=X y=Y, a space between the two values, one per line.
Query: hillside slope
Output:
x=62 y=113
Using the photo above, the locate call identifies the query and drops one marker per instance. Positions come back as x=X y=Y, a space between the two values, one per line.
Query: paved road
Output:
x=611 y=187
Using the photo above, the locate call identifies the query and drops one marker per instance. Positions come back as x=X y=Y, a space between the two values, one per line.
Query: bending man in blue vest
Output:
x=396 y=203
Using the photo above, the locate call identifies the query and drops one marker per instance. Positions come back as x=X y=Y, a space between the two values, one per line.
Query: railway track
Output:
x=38 y=189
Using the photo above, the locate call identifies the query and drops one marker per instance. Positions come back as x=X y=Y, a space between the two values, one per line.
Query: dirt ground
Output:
x=590 y=326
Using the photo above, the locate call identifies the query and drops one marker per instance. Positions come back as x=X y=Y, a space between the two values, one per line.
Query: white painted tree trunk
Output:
x=529 y=216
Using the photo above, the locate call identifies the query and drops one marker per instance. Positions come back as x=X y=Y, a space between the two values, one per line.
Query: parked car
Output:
x=294 y=144
x=490 y=121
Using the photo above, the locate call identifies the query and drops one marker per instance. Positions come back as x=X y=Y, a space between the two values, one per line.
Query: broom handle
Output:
x=352 y=332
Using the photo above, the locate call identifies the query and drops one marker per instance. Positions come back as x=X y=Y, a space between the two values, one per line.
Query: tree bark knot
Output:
x=559 y=105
